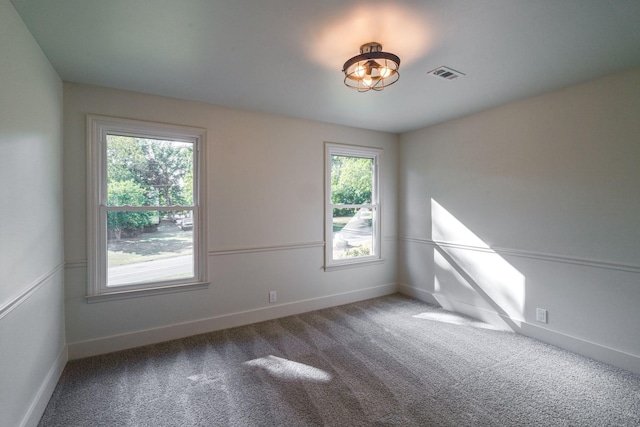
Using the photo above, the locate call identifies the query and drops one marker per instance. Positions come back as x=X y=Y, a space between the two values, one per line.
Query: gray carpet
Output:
x=386 y=361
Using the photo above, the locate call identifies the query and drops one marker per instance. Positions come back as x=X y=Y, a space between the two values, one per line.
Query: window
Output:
x=146 y=208
x=352 y=202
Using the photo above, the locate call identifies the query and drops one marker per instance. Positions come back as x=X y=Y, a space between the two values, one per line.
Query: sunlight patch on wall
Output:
x=468 y=270
x=289 y=370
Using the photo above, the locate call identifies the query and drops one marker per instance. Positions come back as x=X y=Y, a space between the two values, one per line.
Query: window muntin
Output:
x=145 y=205
x=352 y=230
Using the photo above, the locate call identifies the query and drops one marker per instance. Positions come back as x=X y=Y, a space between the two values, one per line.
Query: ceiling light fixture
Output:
x=373 y=69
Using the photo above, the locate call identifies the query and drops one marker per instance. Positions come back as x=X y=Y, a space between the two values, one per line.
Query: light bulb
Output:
x=385 y=72
x=367 y=80
x=359 y=72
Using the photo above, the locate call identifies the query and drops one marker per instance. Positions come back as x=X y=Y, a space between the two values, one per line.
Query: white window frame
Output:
x=98 y=127
x=375 y=154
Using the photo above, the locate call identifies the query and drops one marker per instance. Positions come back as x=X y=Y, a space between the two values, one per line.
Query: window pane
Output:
x=351 y=180
x=352 y=233
x=149 y=172
x=149 y=246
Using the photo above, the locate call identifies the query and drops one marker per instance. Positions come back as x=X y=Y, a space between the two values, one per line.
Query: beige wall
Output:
x=32 y=342
x=265 y=190
x=544 y=192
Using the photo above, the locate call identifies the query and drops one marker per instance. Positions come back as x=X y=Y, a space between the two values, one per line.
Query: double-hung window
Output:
x=146 y=208
x=352 y=205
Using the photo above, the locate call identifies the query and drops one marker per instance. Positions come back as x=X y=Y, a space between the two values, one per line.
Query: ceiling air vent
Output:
x=446 y=73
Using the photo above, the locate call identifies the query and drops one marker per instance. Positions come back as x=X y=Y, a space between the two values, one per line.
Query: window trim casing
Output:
x=332 y=148
x=97 y=129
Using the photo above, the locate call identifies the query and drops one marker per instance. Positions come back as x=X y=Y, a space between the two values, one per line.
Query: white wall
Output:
x=533 y=204
x=32 y=351
x=265 y=191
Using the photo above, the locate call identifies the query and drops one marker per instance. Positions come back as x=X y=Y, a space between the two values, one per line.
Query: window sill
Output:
x=353 y=264
x=135 y=293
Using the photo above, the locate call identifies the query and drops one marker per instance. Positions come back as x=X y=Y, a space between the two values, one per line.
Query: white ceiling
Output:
x=285 y=56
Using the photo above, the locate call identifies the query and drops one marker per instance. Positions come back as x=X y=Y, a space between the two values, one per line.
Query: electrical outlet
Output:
x=541 y=315
x=273 y=296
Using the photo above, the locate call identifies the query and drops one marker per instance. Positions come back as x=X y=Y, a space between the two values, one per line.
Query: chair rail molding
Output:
x=13 y=302
x=563 y=259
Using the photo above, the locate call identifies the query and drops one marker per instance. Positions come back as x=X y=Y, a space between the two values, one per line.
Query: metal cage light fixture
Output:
x=373 y=69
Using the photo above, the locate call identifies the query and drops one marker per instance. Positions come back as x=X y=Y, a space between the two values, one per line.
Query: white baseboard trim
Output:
x=418 y=294
x=580 y=346
x=483 y=314
x=617 y=358
x=113 y=343
x=41 y=399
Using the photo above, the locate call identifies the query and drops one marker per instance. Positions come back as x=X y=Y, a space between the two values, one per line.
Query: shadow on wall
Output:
x=470 y=277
